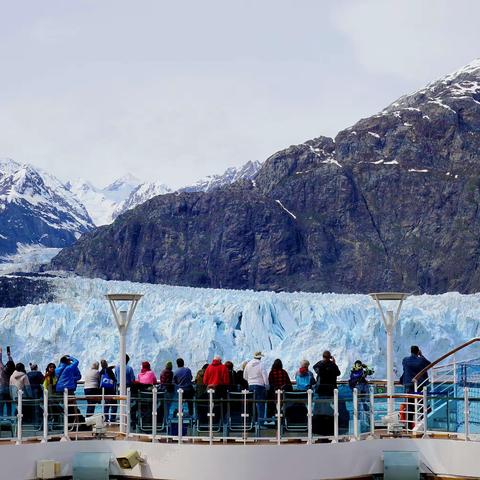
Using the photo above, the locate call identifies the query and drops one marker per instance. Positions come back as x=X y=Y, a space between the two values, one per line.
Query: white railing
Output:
x=363 y=410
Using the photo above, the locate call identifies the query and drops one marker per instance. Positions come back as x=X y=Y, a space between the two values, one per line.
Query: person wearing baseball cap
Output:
x=257 y=378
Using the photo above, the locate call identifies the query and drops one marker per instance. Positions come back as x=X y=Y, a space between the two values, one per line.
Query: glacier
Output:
x=197 y=323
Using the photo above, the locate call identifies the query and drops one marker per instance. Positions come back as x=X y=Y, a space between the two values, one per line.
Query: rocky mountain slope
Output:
x=391 y=203
x=37 y=208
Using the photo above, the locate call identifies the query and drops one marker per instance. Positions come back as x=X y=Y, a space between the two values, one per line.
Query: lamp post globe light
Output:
x=386 y=303
x=123 y=307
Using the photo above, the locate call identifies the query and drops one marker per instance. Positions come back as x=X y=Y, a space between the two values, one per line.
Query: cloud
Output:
x=412 y=39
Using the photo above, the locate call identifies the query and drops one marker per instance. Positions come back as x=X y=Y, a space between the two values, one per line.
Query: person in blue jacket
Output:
x=412 y=366
x=67 y=374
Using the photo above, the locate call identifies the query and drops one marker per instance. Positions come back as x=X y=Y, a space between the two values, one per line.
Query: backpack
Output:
x=106 y=382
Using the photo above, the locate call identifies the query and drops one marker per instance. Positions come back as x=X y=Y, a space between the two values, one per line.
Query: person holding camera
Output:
x=327 y=372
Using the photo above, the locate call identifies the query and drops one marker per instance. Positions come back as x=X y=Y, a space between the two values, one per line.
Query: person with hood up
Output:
x=166 y=378
x=68 y=375
x=304 y=378
x=216 y=376
x=146 y=375
x=19 y=381
x=200 y=387
x=257 y=378
x=36 y=380
x=5 y=374
x=358 y=377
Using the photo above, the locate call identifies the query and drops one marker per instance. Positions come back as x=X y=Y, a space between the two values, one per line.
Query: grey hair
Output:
x=305 y=363
x=95 y=365
x=217 y=357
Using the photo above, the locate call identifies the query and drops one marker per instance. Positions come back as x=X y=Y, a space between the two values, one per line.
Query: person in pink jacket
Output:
x=146 y=376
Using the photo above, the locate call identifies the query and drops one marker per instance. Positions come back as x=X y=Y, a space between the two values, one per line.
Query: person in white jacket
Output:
x=256 y=376
x=19 y=381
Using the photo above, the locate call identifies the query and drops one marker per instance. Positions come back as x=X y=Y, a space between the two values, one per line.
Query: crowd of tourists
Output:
x=219 y=376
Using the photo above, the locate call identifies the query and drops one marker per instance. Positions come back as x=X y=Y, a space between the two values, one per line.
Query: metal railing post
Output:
x=19 y=416
x=103 y=404
x=335 y=415
x=466 y=412
x=415 y=403
x=45 y=416
x=310 y=415
x=425 y=413
x=65 y=415
x=279 y=416
x=180 y=415
x=128 y=414
x=355 y=414
x=372 y=412
x=154 y=413
x=244 y=415
x=210 y=416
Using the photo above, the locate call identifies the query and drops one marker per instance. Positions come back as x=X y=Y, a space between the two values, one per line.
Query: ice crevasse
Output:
x=198 y=323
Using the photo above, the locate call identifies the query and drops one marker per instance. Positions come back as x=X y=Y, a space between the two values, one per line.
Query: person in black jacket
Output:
x=327 y=372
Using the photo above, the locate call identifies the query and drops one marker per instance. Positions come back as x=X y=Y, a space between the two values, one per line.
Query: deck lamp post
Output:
x=123 y=307
x=386 y=302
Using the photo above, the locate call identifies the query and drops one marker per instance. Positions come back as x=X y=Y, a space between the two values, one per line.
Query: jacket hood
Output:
x=303 y=371
x=216 y=363
x=18 y=375
x=255 y=362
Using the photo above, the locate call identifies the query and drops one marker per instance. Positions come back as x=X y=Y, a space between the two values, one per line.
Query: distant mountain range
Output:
x=392 y=202
x=37 y=208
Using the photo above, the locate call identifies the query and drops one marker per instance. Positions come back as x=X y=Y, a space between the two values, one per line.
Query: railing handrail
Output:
x=443 y=357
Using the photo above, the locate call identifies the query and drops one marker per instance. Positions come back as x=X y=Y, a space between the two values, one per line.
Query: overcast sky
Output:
x=174 y=91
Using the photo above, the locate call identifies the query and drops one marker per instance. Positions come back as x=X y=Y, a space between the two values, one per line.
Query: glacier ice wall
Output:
x=198 y=323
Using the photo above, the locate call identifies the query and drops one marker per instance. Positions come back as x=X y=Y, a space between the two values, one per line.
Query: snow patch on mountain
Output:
x=199 y=323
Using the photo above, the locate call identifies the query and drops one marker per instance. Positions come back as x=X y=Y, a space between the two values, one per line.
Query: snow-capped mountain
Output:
x=199 y=323
x=102 y=203
x=231 y=175
x=139 y=195
x=36 y=208
x=148 y=190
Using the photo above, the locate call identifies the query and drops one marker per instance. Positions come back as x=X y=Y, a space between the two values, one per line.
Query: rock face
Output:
x=20 y=291
x=391 y=203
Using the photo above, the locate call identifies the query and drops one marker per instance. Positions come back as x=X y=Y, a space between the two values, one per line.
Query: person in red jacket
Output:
x=216 y=376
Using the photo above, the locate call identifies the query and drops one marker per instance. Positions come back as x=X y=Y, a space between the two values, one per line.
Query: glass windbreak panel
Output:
x=8 y=415
x=295 y=414
x=32 y=420
x=55 y=415
x=322 y=417
x=474 y=424
x=363 y=412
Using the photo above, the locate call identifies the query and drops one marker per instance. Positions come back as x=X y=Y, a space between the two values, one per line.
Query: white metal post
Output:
x=466 y=413
x=102 y=403
x=45 y=416
x=19 y=416
x=210 y=416
x=244 y=415
x=335 y=415
x=65 y=415
x=123 y=368
x=154 y=413
x=129 y=415
x=355 y=414
x=372 y=412
x=122 y=320
x=425 y=412
x=310 y=414
x=390 y=382
x=180 y=415
x=279 y=416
